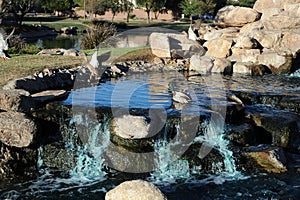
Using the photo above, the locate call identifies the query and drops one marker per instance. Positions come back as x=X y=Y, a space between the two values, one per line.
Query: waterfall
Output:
x=89 y=155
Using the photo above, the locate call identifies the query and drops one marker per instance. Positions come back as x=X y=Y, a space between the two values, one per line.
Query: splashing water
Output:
x=89 y=156
x=214 y=137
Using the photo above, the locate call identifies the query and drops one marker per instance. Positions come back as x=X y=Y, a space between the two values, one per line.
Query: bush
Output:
x=95 y=36
x=30 y=49
x=17 y=45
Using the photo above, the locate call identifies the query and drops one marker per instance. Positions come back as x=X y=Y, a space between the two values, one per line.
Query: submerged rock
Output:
x=136 y=189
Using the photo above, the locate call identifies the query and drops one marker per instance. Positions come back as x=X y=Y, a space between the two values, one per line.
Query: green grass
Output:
x=25 y=65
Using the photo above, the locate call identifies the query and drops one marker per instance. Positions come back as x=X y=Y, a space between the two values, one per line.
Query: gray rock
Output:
x=136 y=189
x=17 y=129
x=201 y=64
x=15 y=100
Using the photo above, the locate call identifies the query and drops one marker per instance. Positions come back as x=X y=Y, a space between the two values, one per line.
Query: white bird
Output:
x=3 y=43
x=179 y=97
x=93 y=65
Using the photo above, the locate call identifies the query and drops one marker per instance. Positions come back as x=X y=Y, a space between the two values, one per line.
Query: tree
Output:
x=207 y=6
x=149 y=5
x=190 y=7
x=158 y=7
x=19 y=8
x=58 y=5
x=127 y=7
x=173 y=5
x=115 y=7
x=3 y=9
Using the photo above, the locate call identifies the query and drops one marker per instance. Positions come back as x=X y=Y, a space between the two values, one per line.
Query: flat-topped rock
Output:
x=49 y=95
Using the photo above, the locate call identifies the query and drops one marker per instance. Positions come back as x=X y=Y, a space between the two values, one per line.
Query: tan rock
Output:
x=261 y=5
x=278 y=64
x=136 y=189
x=222 y=65
x=236 y=16
x=219 y=48
x=244 y=55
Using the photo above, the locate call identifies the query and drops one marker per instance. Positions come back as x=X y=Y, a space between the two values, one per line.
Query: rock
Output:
x=241 y=135
x=250 y=68
x=17 y=129
x=130 y=127
x=246 y=42
x=226 y=33
x=49 y=52
x=60 y=80
x=55 y=156
x=49 y=95
x=219 y=48
x=283 y=126
x=162 y=43
x=201 y=64
x=17 y=164
x=244 y=55
x=291 y=41
x=236 y=16
x=271 y=159
x=71 y=52
x=222 y=65
x=261 y=5
x=15 y=100
x=278 y=64
x=136 y=189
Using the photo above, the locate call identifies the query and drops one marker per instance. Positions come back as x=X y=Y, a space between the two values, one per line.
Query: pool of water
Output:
x=58 y=41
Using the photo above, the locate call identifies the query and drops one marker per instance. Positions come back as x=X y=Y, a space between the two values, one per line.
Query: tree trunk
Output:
x=127 y=18
x=148 y=16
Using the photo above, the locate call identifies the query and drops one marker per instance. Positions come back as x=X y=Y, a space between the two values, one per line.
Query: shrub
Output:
x=16 y=43
x=95 y=36
x=30 y=49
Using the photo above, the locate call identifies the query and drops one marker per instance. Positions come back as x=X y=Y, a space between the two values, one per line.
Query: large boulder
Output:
x=236 y=16
x=163 y=43
x=219 y=48
x=244 y=55
x=277 y=63
x=136 y=189
x=208 y=64
x=250 y=68
x=261 y=5
x=17 y=129
x=15 y=100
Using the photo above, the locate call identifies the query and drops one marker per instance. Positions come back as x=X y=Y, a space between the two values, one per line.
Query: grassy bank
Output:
x=21 y=66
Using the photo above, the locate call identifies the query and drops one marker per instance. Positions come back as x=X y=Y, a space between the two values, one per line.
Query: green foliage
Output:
x=190 y=7
x=151 y=5
x=207 y=6
x=18 y=46
x=58 y=5
x=30 y=49
x=243 y=3
x=94 y=37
